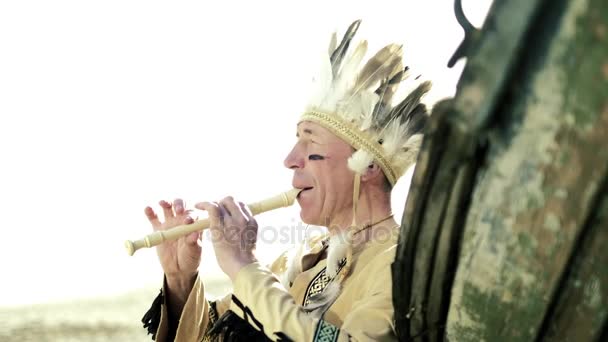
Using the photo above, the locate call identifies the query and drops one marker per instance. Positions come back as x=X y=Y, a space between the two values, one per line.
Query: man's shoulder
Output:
x=382 y=248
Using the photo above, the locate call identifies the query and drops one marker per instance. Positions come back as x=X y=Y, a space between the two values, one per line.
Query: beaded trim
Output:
x=353 y=136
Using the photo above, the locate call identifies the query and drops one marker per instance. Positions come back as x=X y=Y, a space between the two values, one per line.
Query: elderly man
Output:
x=352 y=146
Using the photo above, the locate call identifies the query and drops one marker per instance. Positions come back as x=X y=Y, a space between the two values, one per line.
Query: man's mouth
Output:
x=304 y=190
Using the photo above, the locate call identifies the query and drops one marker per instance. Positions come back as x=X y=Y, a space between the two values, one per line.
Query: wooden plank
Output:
x=546 y=160
x=581 y=306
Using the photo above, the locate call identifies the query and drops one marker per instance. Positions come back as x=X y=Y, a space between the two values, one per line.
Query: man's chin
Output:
x=308 y=218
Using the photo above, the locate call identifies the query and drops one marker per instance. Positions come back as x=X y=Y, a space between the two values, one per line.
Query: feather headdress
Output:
x=354 y=100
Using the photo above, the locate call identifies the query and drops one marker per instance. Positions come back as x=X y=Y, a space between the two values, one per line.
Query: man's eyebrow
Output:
x=305 y=130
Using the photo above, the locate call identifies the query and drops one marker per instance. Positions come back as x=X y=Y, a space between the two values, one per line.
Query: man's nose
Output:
x=294 y=159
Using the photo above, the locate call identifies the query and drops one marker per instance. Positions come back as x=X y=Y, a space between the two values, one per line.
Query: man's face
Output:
x=319 y=161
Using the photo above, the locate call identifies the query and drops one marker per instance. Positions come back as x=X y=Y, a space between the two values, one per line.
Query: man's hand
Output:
x=179 y=258
x=234 y=234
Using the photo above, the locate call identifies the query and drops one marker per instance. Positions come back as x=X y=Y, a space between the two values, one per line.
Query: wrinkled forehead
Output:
x=308 y=129
x=322 y=136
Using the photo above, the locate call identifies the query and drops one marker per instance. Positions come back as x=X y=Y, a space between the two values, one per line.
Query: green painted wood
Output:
x=548 y=156
x=581 y=305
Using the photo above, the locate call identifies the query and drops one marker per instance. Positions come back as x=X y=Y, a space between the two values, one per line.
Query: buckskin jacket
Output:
x=261 y=308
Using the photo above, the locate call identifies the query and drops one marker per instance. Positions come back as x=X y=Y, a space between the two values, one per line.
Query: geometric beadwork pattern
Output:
x=213 y=316
x=319 y=283
x=326 y=332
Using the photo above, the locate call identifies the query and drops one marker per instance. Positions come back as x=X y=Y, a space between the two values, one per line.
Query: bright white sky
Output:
x=109 y=106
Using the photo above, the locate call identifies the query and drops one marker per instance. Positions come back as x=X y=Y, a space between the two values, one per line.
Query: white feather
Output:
x=358 y=109
x=413 y=143
x=347 y=74
x=392 y=136
x=333 y=42
x=368 y=101
x=345 y=79
x=359 y=161
x=408 y=154
x=294 y=265
x=321 y=83
x=338 y=245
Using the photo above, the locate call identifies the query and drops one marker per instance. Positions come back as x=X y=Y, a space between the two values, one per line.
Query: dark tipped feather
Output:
x=386 y=90
x=338 y=55
x=407 y=106
x=383 y=65
x=416 y=120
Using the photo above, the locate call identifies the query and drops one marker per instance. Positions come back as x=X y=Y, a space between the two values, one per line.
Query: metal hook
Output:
x=470 y=34
x=461 y=18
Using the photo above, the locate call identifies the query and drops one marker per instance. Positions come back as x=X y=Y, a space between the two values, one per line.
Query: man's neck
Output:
x=370 y=211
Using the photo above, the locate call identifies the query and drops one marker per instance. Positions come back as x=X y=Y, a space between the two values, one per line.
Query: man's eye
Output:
x=315 y=157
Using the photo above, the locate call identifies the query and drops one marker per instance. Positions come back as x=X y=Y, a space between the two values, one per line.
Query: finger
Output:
x=199 y=239
x=189 y=238
x=216 y=221
x=214 y=212
x=178 y=206
x=188 y=220
x=233 y=208
x=245 y=210
x=251 y=222
x=192 y=238
x=229 y=205
x=223 y=214
x=152 y=217
x=167 y=209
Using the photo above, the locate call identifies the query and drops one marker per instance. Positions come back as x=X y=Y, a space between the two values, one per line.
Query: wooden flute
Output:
x=281 y=200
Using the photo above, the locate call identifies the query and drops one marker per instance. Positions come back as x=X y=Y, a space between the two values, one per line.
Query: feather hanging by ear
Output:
x=359 y=161
x=294 y=265
x=338 y=54
x=338 y=244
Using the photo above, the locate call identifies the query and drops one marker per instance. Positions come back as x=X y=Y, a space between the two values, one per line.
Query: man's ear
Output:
x=372 y=172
